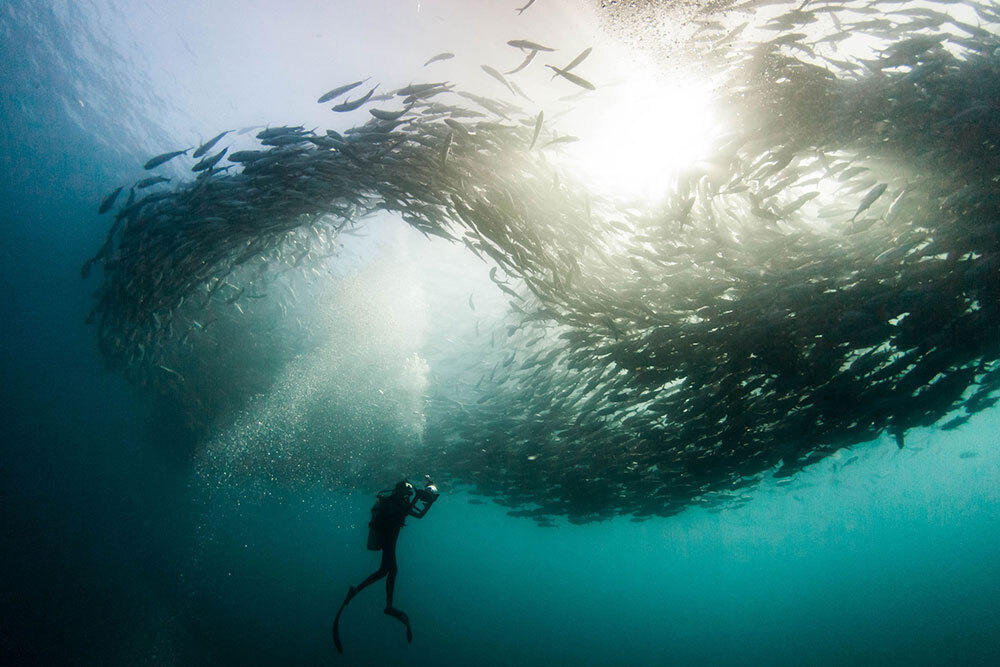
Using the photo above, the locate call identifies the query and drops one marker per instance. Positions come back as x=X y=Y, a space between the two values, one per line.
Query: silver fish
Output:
x=520 y=10
x=356 y=104
x=869 y=199
x=109 y=201
x=163 y=157
x=576 y=61
x=440 y=57
x=527 y=59
x=419 y=89
x=534 y=137
x=446 y=149
x=498 y=76
x=146 y=182
x=210 y=161
x=525 y=44
x=388 y=115
x=207 y=146
x=572 y=78
x=340 y=90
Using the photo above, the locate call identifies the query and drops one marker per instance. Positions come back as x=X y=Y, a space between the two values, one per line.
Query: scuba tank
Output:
x=376 y=528
x=374 y=537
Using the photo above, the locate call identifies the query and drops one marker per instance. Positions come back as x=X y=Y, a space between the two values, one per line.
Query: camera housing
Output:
x=429 y=493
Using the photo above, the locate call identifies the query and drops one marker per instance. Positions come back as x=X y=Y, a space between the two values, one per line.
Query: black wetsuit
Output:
x=390 y=519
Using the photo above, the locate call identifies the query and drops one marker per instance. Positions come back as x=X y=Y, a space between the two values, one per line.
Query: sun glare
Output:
x=643 y=133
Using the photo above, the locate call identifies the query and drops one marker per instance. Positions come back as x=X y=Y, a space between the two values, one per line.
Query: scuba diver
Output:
x=388 y=517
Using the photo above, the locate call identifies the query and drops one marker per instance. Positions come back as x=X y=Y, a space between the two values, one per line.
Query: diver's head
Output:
x=403 y=488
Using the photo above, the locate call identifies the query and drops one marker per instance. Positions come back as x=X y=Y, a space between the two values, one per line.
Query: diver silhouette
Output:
x=388 y=517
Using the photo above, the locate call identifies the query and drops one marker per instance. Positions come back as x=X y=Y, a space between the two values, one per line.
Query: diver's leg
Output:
x=390 y=576
x=389 y=563
x=390 y=585
x=372 y=578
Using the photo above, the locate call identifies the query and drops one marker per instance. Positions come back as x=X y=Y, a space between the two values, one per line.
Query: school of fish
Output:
x=828 y=273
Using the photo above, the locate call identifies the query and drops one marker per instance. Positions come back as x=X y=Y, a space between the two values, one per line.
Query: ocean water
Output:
x=220 y=520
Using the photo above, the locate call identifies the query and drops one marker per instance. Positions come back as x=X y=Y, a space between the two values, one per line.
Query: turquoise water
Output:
x=136 y=534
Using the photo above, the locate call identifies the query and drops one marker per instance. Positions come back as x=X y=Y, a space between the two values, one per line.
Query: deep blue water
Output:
x=121 y=547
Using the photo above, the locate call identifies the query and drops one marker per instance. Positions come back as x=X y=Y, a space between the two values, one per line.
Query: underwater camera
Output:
x=429 y=493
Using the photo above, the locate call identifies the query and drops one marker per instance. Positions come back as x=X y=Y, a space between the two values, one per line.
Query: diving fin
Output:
x=402 y=618
x=351 y=592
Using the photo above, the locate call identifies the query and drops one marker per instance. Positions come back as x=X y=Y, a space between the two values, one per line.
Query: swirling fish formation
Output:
x=830 y=272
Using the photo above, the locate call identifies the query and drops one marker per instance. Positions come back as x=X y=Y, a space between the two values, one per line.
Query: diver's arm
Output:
x=418 y=513
x=428 y=495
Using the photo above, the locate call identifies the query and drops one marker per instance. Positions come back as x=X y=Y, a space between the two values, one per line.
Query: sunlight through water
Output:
x=671 y=122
